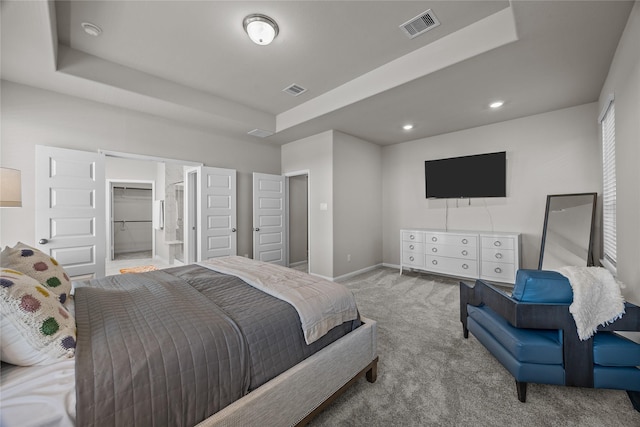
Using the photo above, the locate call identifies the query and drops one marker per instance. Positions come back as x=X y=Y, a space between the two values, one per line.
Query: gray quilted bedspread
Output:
x=172 y=347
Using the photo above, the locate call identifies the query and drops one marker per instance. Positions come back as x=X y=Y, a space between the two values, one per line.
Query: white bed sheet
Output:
x=38 y=395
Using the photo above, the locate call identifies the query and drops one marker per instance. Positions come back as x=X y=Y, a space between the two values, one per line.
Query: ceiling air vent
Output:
x=294 y=90
x=420 y=24
x=260 y=133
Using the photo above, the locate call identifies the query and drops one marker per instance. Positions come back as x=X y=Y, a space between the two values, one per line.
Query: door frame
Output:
x=191 y=207
x=287 y=214
x=109 y=215
x=156 y=159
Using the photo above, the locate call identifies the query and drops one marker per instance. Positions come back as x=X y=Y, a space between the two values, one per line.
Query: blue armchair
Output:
x=533 y=335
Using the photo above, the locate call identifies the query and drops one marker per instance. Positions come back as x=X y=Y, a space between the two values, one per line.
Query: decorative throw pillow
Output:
x=38 y=265
x=35 y=329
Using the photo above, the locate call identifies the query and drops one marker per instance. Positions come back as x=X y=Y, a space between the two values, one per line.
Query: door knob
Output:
x=233 y=230
x=43 y=241
x=257 y=229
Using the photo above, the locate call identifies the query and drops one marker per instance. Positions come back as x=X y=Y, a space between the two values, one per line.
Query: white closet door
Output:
x=217 y=236
x=70 y=209
x=269 y=218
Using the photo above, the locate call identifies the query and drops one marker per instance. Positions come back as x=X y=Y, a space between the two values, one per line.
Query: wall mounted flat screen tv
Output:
x=481 y=175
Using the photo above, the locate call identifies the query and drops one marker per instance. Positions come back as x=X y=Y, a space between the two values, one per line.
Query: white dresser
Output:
x=494 y=256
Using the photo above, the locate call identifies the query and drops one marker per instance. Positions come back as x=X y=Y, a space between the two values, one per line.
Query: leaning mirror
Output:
x=567 y=233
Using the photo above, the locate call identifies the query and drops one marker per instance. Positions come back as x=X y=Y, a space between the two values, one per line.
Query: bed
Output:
x=283 y=376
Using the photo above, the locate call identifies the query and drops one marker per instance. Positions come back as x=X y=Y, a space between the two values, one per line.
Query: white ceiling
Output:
x=191 y=61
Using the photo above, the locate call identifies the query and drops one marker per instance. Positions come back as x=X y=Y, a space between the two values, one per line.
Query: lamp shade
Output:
x=10 y=188
x=260 y=28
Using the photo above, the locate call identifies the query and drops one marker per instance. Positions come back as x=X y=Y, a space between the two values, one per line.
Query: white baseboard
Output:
x=355 y=273
x=294 y=264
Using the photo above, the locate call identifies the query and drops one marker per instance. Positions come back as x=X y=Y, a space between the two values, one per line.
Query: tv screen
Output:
x=481 y=175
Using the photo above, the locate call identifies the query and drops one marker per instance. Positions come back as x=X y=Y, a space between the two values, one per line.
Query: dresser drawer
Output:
x=413 y=236
x=452 y=266
x=498 y=242
x=498 y=271
x=451 y=239
x=498 y=255
x=412 y=247
x=413 y=259
x=452 y=251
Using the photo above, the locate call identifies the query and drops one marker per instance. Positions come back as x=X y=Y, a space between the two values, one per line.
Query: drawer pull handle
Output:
x=499 y=255
x=497 y=243
x=465 y=241
x=434 y=262
x=465 y=266
x=410 y=258
x=498 y=270
x=465 y=253
x=412 y=237
x=434 y=249
x=434 y=239
x=411 y=247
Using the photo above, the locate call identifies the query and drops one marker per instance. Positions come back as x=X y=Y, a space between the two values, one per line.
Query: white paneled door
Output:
x=70 y=209
x=217 y=214
x=269 y=218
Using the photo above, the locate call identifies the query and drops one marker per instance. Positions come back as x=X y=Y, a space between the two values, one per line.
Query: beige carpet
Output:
x=429 y=375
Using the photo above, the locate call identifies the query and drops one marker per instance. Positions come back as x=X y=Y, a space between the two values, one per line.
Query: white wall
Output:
x=623 y=81
x=552 y=153
x=315 y=154
x=129 y=169
x=357 y=200
x=32 y=116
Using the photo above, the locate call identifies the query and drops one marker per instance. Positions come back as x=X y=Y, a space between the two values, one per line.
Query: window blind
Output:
x=609 y=185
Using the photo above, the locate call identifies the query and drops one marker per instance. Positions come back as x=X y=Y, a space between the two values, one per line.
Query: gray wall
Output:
x=624 y=82
x=552 y=153
x=345 y=174
x=357 y=199
x=315 y=155
x=298 y=219
x=32 y=116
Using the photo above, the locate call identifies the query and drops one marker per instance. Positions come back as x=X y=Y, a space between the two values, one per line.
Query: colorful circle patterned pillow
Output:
x=35 y=328
x=38 y=265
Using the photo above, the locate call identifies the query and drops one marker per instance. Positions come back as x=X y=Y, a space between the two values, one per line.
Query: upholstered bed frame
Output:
x=298 y=394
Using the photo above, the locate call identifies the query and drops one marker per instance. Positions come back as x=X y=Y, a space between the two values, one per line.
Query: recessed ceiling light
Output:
x=496 y=104
x=91 y=29
x=408 y=126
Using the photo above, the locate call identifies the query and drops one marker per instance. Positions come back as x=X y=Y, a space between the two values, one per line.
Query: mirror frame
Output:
x=590 y=260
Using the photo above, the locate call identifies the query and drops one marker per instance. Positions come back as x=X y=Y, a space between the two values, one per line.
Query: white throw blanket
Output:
x=321 y=304
x=597 y=299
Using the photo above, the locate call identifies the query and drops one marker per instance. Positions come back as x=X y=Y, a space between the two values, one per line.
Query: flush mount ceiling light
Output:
x=91 y=29
x=260 y=28
x=408 y=126
x=496 y=104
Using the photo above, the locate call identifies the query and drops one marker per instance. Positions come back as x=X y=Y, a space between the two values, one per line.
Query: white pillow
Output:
x=35 y=328
x=38 y=265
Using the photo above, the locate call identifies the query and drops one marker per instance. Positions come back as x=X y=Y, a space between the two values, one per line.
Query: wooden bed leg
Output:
x=522 y=391
x=372 y=374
